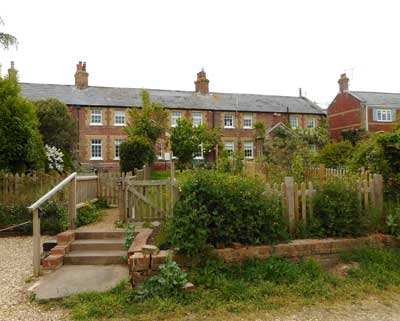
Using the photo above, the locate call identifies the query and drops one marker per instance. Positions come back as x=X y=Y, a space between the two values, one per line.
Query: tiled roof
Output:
x=377 y=98
x=172 y=99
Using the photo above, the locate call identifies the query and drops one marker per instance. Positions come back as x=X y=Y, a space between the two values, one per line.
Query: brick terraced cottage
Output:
x=372 y=111
x=102 y=113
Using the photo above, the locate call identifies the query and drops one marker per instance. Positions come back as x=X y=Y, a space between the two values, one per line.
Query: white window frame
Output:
x=291 y=119
x=229 y=146
x=308 y=122
x=119 y=115
x=248 y=117
x=384 y=115
x=94 y=114
x=200 y=156
x=96 y=143
x=232 y=121
x=248 y=146
x=175 y=115
x=117 y=143
x=197 y=119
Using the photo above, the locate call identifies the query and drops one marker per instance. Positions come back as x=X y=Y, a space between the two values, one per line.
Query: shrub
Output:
x=135 y=152
x=337 y=207
x=219 y=208
x=168 y=283
x=54 y=217
x=129 y=235
x=88 y=214
x=336 y=154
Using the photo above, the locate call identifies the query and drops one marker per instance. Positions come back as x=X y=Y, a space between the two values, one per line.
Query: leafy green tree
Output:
x=336 y=154
x=135 y=152
x=57 y=126
x=186 y=141
x=150 y=121
x=7 y=40
x=21 y=146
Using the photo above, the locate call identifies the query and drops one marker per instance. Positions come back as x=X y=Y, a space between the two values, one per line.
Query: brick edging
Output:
x=56 y=258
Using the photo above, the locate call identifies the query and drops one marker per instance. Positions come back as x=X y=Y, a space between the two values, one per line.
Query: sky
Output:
x=261 y=47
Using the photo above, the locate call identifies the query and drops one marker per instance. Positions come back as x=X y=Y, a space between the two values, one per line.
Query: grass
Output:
x=226 y=292
x=160 y=175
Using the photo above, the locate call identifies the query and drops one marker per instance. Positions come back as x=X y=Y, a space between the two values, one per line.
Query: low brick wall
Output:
x=56 y=258
x=325 y=251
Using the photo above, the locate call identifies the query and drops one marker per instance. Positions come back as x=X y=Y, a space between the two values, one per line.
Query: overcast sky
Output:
x=264 y=47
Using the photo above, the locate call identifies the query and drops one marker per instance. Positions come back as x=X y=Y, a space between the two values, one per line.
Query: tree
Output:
x=57 y=126
x=21 y=146
x=187 y=141
x=7 y=40
x=150 y=121
x=135 y=152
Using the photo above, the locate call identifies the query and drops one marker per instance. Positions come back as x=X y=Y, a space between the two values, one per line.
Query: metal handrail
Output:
x=52 y=192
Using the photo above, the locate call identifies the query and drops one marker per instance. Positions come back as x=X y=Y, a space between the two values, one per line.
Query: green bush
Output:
x=336 y=154
x=168 y=283
x=135 y=152
x=54 y=217
x=337 y=208
x=219 y=208
x=88 y=214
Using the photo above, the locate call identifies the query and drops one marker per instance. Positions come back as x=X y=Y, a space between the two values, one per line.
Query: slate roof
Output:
x=377 y=98
x=172 y=99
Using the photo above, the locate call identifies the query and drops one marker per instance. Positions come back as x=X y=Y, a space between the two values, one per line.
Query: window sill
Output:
x=229 y=127
x=248 y=157
x=96 y=158
x=247 y=127
x=96 y=124
x=116 y=158
x=119 y=125
x=384 y=121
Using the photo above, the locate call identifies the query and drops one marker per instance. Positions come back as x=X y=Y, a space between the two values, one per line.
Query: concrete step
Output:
x=91 y=235
x=98 y=245
x=95 y=257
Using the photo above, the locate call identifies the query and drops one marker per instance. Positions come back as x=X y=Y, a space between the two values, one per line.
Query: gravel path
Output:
x=15 y=277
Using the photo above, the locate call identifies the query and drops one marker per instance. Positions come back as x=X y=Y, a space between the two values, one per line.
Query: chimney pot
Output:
x=343 y=83
x=81 y=76
x=201 y=84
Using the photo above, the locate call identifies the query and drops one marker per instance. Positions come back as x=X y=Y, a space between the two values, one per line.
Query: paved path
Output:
x=73 y=279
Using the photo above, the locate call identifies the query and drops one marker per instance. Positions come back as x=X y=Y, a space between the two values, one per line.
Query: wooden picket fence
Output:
x=296 y=198
x=24 y=189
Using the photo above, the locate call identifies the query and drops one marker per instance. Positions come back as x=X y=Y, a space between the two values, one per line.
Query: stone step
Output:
x=91 y=235
x=95 y=257
x=98 y=245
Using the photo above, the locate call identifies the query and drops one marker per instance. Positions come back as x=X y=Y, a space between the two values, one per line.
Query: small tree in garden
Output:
x=21 y=146
x=57 y=126
x=187 y=141
x=336 y=154
x=150 y=121
x=135 y=152
x=259 y=136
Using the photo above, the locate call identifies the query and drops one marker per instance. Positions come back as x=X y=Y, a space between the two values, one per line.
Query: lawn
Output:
x=224 y=293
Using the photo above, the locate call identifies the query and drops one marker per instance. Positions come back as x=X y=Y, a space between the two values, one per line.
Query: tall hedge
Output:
x=219 y=208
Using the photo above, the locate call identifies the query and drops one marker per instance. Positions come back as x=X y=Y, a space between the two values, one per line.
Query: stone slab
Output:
x=74 y=279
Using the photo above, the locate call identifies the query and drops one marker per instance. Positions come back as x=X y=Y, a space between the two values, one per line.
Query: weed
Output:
x=129 y=235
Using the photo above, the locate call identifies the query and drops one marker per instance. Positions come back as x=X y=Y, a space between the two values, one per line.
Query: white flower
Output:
x=54 y=158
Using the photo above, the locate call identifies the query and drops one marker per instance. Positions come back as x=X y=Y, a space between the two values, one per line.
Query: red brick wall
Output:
x=344 y=113
x=108 y=132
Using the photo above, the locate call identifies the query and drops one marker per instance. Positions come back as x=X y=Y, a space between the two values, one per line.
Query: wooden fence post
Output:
x=72 y=203
x=378 y=189
x=121 y=200
x=322 y=172
x=289 y=182
x=36 y=242
x=303 y=203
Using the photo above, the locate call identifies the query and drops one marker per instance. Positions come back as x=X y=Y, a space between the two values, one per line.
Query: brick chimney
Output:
x=81 y=76
x=12 y=72
x=343 y=83
x=202 y=83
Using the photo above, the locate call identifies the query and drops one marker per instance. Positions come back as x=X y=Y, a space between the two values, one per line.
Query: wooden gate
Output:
x=150 y=200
